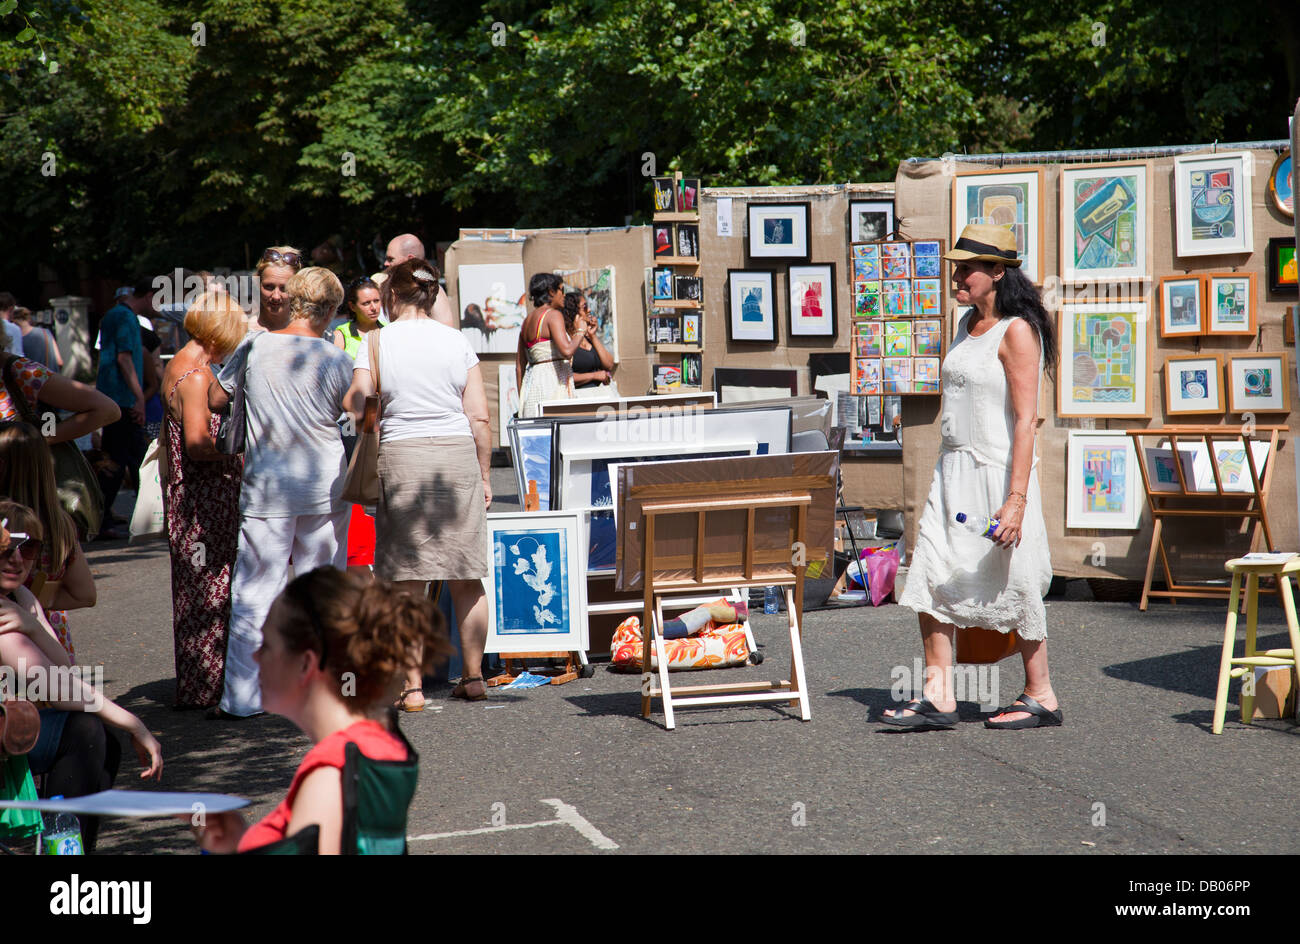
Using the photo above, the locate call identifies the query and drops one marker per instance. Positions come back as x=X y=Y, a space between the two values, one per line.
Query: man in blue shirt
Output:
x=121 y=367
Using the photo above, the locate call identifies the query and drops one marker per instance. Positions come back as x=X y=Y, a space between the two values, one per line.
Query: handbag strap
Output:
x=372 y=349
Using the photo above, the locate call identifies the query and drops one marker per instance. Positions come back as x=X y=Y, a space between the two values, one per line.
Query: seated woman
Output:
x=74 y=751
x=329 y=625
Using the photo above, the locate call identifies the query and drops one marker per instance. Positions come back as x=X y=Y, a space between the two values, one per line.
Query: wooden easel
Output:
x=575 y=665
x=1220 y=503
x=666 y=574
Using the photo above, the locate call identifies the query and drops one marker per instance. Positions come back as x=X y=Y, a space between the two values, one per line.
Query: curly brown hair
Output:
x=367 y=631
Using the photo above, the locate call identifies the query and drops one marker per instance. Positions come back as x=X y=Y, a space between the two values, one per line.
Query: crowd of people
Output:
x=280 y=588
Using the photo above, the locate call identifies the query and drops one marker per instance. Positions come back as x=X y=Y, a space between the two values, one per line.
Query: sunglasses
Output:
x=283 y=258
x=28 y=547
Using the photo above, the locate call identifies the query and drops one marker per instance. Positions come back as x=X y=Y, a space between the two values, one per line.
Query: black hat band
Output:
x=984 y=249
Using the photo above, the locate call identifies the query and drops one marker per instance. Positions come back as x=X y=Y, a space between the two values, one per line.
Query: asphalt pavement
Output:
x=575 y=769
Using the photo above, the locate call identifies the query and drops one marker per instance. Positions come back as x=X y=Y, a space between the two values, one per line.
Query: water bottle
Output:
x=65 y=839
x=981 y=525
x=771 y=600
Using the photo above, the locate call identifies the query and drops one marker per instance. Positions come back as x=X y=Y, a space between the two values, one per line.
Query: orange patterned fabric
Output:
x=30 y=376
x=716 y=646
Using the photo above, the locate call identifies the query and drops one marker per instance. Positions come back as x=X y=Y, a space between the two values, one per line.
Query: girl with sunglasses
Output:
x=74 y=751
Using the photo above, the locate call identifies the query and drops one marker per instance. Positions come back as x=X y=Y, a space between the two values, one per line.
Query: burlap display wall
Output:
x=870 y=482
x=1198 y=547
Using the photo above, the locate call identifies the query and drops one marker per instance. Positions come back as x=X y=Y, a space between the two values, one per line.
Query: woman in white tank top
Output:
x=987 y=468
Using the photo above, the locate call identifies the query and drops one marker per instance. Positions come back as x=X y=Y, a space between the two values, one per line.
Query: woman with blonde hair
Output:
x=294 y=384
x=60 y=577
x=275 y=268
x=201 y=498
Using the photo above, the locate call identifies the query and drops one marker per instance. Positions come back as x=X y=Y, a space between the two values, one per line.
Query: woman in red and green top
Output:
x=329 y=625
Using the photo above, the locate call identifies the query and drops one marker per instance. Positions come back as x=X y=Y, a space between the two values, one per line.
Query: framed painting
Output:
x=870 y=220
x=597 y=287
x=537 y=582
x=1281 y=185
x=1257 y=383
x=812 y=300
x=1105 y=360
x=661 y=234
x=507 y=402
x=1103 y=482
x=665 y=193
x=1194 y=384
x=751 y=295
x=778 y=231
x=1212 y=203
x=1105 y=223
x=1282 y=265
x=1010 y=198
x=1182 y=313
x=688 y=195
x=1230 y=302
x=530 y=447
x=493 y=304
x=663 y=284
x=1162 y=473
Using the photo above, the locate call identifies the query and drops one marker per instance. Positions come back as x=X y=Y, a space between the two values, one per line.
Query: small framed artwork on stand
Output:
x=778 y=231
x=1194 y=385
x=688 y=240
x=691 y=328
x=751 y=297
x=1282 y=266
x=663 y=284
x=812 y=300
x=1181 y=311
x=689 y=288
x=1103 y=483
x=1257 y=383
x=665 y=193
x=1230 y=302
x=688 y=195
x=1212 y=204
x=870 y=220
x=663 y=239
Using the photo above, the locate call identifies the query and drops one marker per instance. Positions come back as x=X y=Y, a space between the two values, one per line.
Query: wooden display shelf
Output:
x=685 y=303
x=676 y=260
x=675 y=348
x=680 y=388
x=677 y=217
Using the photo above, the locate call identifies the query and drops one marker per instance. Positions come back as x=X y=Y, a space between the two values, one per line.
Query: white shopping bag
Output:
x=147 y=522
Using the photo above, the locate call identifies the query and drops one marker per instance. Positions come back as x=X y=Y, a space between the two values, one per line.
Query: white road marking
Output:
x=566 y=815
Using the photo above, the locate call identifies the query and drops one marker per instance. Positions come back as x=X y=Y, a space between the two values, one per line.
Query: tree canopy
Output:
x=138 y=135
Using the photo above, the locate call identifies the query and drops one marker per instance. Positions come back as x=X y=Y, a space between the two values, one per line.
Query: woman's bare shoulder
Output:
x=1020 y=337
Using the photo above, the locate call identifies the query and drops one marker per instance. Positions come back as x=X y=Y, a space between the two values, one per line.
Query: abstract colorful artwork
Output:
x=898 y=375
x=1257 y=383
x=867 y=376
x=597 y=287
x=1104 y=360
x=925 y=374
x=927 y=260
x=870 y=339
x=1007 y=198
x=1104 y=223
x=1102 y=487
x=1181 y=311
x=1212 y=199
x=1194 y=384
x=927 y=336
x=1230 y=297
x=1281 y=185
x=898 y=338
x=896 y=298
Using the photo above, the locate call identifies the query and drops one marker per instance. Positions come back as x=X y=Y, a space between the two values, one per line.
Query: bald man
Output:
x=408 y=246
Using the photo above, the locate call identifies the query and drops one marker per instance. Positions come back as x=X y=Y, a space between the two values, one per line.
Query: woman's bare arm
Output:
x=92 y=410
x=1019 y=353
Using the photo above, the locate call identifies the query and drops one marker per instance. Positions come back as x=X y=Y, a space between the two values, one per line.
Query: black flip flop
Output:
x=927 y=717
x=1039 y=717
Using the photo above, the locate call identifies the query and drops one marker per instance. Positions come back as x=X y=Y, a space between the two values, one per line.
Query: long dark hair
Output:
x=572 y=305
x=1017 y=296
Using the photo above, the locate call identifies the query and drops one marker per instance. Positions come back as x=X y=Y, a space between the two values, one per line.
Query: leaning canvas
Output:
x=536 y=585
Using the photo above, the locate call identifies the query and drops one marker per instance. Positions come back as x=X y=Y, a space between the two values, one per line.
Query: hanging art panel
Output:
x=1105 y=360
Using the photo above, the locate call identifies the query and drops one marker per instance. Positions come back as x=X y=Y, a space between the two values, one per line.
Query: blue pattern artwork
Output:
x=531 y=582
x=535 y=444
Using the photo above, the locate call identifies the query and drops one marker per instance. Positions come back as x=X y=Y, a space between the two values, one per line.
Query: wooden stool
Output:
x=1230 y=667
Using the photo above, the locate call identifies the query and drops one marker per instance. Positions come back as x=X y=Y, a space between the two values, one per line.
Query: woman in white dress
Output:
x=986 y=469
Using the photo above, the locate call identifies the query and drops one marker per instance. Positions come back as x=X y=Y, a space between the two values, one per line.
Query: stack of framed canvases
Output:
x=674 y=288
x=897 y=317
x=778 y=233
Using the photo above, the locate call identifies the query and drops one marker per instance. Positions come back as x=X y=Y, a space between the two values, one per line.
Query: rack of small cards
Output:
x=674 y=288
x=897 y=317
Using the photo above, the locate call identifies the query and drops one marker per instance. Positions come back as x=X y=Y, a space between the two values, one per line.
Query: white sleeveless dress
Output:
x=963 y=578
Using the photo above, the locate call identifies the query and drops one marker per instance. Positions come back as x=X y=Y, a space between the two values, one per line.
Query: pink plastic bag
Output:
x=881 y=566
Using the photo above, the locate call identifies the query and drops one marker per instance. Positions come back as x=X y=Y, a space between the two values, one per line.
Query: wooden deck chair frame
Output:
x=700 y=500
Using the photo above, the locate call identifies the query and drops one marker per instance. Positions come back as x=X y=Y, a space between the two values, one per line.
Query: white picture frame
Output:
x=498 y=290
x=1103 y=483
x=870 y=220
x=1105 y=222
x=1212 y=204
x=1194 y=384
x=778 y=231
x=1258 y=383
x=1096 y=378
x=537 y=582
x=1011 y=197
x=507 y=401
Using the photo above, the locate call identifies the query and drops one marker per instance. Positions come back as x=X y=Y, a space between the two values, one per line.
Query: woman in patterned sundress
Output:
x=201 y=498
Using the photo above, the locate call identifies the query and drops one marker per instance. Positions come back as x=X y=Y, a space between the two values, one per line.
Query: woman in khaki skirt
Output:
x=435 y=449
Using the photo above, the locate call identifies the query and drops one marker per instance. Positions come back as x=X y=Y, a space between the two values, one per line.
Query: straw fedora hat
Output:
x=985 y=242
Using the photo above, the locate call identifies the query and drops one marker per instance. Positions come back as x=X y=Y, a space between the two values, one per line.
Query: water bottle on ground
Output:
x=982 y=525
x=771 y=600
x=64 y=839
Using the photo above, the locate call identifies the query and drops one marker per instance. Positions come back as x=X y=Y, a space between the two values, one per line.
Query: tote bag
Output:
x=233 y=425
x=147 y=521
x=361 y=487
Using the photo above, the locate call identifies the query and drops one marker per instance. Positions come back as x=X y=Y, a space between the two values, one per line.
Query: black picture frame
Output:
x=665 y=195
x=740 y=328
x=1275 y=284
x=831 y=330
x=661 y=239
x=686 y=236
x=773 y=244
